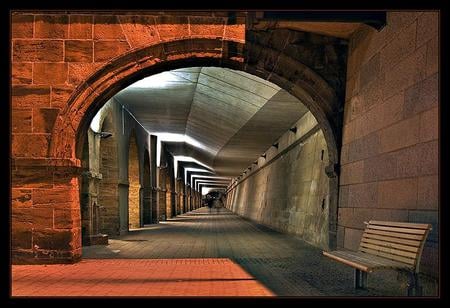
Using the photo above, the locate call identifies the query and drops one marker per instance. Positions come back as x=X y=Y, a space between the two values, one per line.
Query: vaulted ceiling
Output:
x=228 y=118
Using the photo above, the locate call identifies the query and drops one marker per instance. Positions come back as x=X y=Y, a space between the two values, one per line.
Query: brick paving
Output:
x=213 y=253
x=137 y=277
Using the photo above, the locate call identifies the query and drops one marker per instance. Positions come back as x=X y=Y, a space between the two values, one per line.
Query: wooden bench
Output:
x=387 y=245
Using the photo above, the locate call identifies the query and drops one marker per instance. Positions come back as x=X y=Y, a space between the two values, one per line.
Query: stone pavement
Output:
x=257 y=260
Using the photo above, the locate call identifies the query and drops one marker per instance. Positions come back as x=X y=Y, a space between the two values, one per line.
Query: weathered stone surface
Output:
x=427 y=27
x=51 y=26
x=407 y=72
x=60 y=95
x=139 y=30
x=37 y=50
x=172 y=26
x=422 y=96
x=206 y=26
x=30 y=96
x=21 y=198
x=78 y=72
x=106 y=50
x=381 y=167
x=429 y=125
x=21 y=120
x=65 y=219
x=78 y=51
x=400 y=135
x=363 y=195
x=52 y=240
x=428 y=158
x=50 y=73
x=22 y=73
x=30 y=145
x=53 y=196
x=370 y=71
x=352 y=238
x=80 y=26
x=398 y=194
x=42 y=218
x=44 y=119
x=428 y=192
x=403 y=44
x=22 y=26
x=21 y=238
x=432 y=63
x=107 y=27
x=352 y=173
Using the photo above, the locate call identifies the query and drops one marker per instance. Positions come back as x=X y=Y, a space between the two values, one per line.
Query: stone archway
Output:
x=108 y=186
x=65 y=144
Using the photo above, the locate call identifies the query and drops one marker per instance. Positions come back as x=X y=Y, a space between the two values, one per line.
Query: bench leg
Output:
x=414 y=287
x=360 y=279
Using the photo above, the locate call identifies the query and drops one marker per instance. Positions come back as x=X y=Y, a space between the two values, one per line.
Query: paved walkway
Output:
x=213 y=253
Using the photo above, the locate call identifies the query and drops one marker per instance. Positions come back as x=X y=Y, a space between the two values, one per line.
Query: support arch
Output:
x=293 y=76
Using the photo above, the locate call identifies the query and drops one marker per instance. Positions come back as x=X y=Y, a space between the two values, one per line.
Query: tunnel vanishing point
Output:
x=310 y=124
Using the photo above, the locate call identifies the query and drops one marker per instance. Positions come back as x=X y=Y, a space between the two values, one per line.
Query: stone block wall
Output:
x=290 y=194
x=389 y=157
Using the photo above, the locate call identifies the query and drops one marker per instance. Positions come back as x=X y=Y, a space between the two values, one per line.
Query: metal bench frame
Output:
x=387 y=245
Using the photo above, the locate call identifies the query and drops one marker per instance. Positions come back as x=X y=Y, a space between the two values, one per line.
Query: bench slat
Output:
x=390 y=245
x=391 y=251
x=392 y=239
x=395 y=234
x=400 y=230
x=363 y=261
x=346 y=260
x=400 y=224
x=389 y=256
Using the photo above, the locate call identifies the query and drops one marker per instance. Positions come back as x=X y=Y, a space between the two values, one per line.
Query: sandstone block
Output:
x=80 y=26
x=21 y=120
x=22 y=26
x=78 y=51
x=44 y=119
x=106 y=50
x=50 y=73
x=21 y=198
x=30 y=96
x=51 y=26
x=21 y=73
x=107 y=27
x=30 y=145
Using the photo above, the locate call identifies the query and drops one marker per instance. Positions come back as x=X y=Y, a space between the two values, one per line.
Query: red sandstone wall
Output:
x=52 y=54
x=390 y=138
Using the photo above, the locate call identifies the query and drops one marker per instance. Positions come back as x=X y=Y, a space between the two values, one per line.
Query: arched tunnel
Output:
x=220 y=153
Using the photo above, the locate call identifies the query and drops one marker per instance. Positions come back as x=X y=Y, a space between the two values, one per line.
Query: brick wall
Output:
x=389 y=155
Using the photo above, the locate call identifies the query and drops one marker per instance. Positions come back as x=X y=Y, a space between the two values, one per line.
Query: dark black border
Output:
x=230 y=5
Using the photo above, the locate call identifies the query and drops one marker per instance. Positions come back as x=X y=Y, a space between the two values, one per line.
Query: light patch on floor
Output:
x=137 y=277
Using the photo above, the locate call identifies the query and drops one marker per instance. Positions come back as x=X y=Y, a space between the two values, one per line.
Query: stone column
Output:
x=46 y=218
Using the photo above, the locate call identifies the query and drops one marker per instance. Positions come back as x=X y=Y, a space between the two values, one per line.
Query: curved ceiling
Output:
x=221 y=117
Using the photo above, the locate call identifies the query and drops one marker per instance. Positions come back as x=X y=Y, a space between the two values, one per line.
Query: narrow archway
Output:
x=108 y=194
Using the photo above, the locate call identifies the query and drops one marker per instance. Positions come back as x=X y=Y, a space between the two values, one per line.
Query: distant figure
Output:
x=209 y=202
